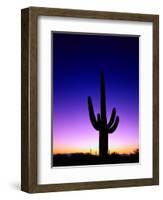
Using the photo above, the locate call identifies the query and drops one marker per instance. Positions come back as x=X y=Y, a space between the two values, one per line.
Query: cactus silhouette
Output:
x=100 y=122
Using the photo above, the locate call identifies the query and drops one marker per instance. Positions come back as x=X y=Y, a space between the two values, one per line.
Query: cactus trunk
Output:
x=103 y=100
x=103 y=144
x=103 y=136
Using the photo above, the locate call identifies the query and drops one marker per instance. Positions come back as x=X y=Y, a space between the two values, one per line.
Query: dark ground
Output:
x=77 y=159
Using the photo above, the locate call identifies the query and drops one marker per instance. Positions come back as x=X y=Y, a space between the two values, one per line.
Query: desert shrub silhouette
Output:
x=76 y=159
x=100 y=122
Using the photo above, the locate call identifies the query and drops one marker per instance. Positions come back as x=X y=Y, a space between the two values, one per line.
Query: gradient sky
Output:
x=78 y=60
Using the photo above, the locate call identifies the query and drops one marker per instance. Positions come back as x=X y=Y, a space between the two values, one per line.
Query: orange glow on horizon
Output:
x=121 y=150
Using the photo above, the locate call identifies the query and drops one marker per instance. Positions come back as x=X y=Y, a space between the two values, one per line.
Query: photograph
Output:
x=95 y=99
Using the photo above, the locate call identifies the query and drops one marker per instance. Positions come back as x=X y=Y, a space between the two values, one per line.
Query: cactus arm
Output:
x=114 y=126
x=91 y=114
x=98 y=117
x=112 y=118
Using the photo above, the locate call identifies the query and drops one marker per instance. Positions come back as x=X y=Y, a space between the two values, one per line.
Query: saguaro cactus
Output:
x=100 y=122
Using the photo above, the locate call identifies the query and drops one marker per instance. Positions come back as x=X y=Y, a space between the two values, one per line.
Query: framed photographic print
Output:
x=90 y=99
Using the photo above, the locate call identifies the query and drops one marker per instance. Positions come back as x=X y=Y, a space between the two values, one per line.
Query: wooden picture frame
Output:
x=29 y=97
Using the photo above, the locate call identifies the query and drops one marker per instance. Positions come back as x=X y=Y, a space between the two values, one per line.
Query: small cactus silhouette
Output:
x=100 y=122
